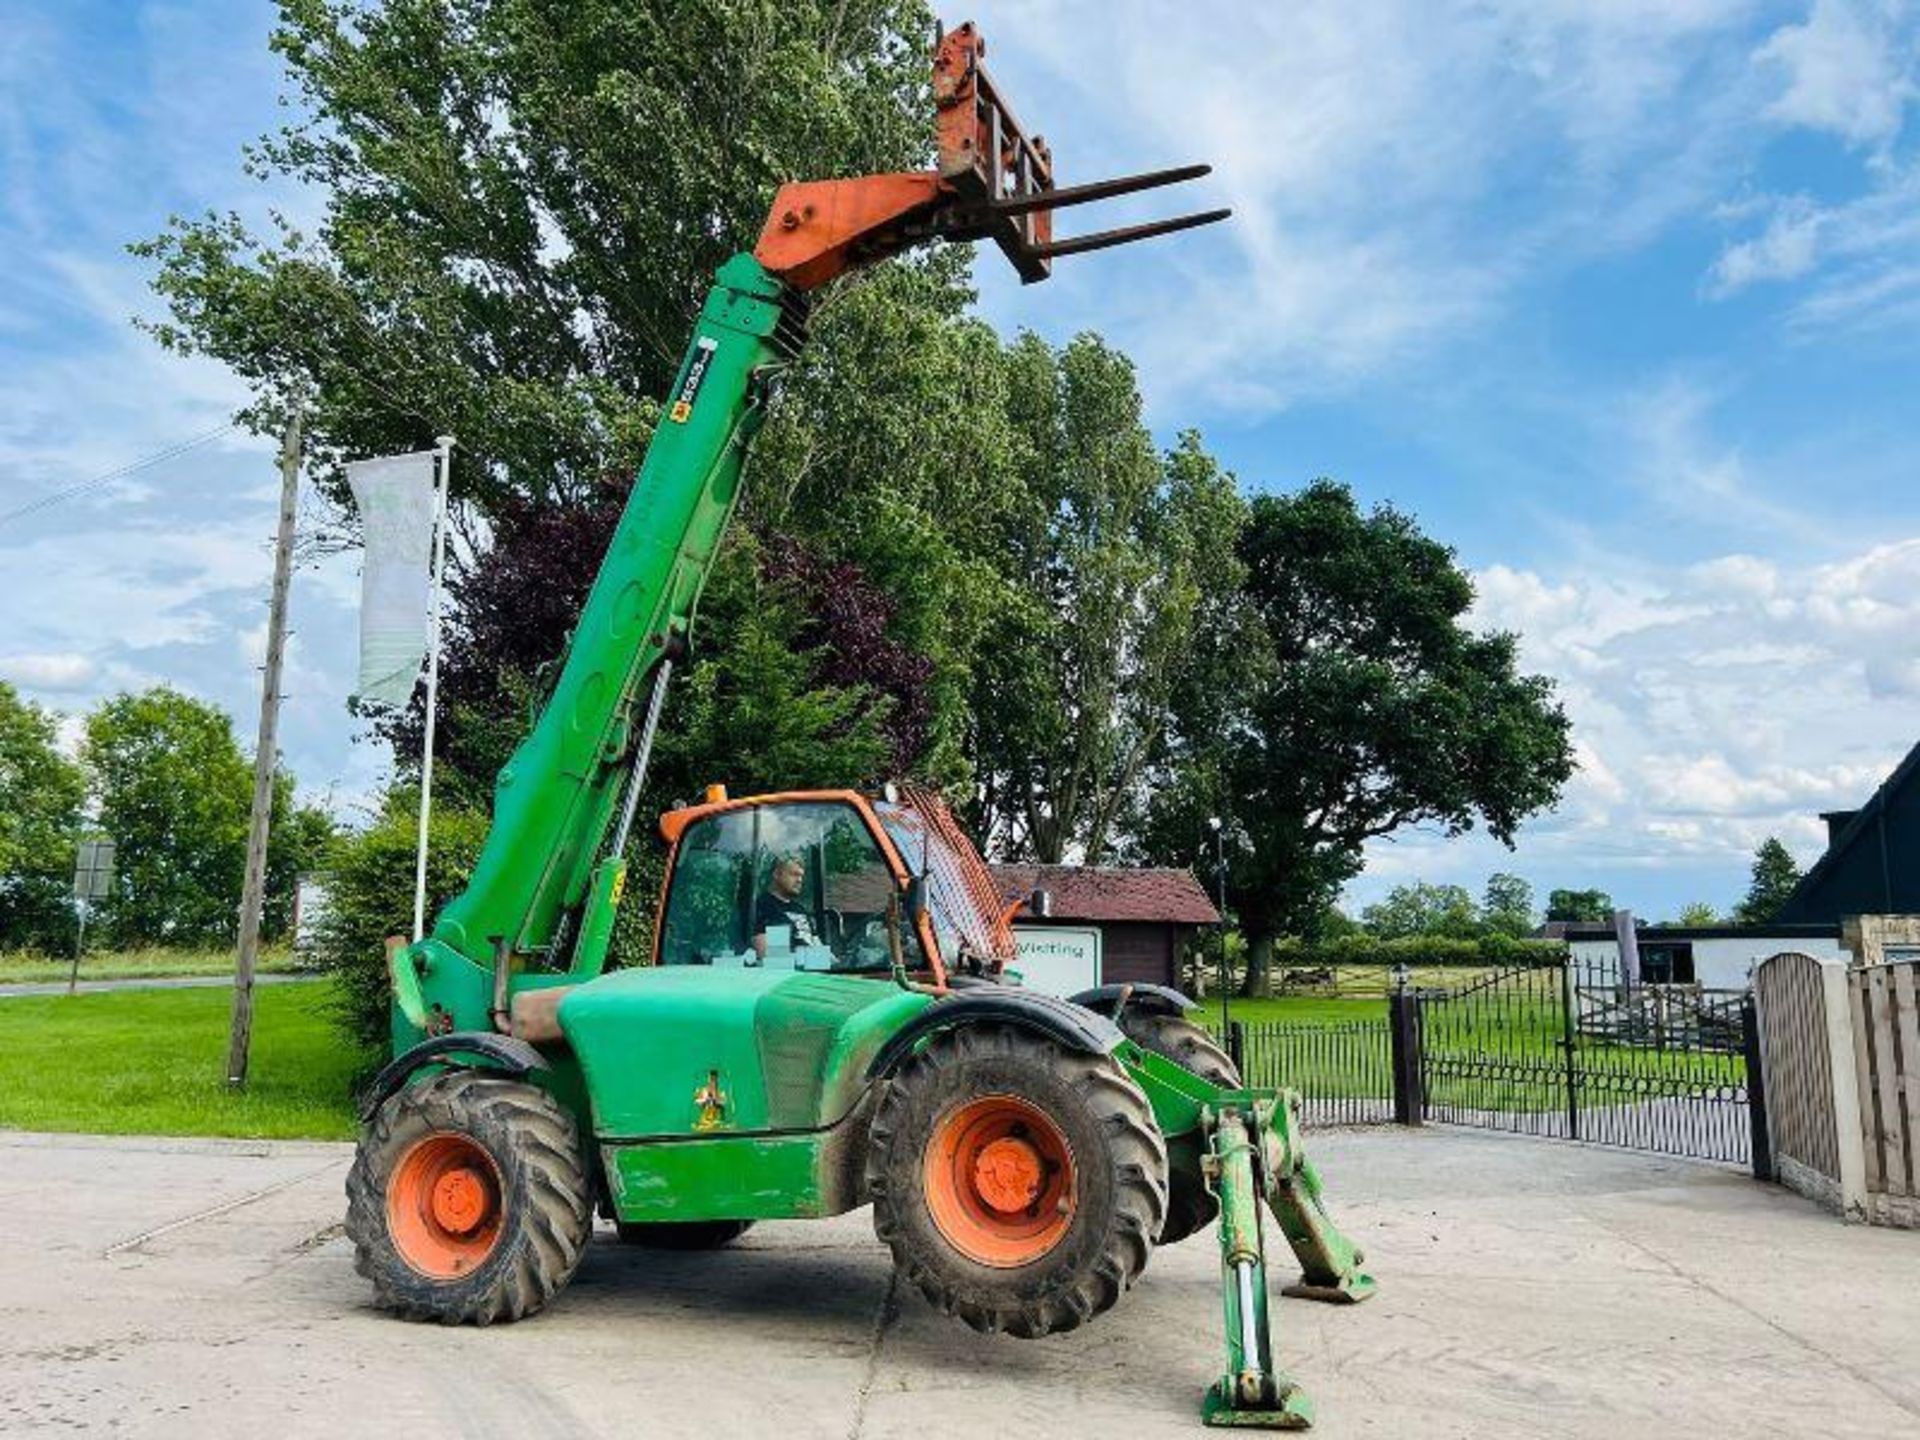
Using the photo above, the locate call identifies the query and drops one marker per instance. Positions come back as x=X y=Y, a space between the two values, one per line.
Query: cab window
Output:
x=799 y=887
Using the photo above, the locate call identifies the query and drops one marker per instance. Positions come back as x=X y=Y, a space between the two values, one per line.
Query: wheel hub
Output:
x=460 y=1201
x=1008 y=1174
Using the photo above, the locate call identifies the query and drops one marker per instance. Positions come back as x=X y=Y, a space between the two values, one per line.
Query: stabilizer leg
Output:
x=1330 y=1264
x=1252 y=1393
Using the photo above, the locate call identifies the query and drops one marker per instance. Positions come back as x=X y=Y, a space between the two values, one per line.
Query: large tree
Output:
x=1108 y=557
x=40 y=798
x=174 y=792
x=524 y=203
x=1423 y=909
x=1579 y=906
x=1350 y=701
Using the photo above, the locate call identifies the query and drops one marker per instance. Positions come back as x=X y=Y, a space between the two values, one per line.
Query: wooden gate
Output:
x=1812 y=1079
x=1886 y=1031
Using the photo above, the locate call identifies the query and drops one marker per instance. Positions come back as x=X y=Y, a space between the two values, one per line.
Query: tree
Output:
x=1698 y=913
x=174 y=792
x=1423 y=909
x=40 y=798
x=1345 y=699
x=1580 y=906
x=1507 y=906
x=524 y=204
x=1775 y=874
x=1105 y=559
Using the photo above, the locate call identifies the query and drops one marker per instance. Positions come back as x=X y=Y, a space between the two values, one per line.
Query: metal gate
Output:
x=1552 y=1050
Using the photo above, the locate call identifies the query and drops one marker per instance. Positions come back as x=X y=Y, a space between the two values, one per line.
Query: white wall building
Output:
x=1716 y=957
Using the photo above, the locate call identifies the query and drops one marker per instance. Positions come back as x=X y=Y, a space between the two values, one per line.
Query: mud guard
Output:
x=1109 y=1000
x=496 y=1052
x=1071 y=1025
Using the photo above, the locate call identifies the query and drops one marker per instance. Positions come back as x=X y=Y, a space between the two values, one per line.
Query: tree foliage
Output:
x=1580 y=906
x=1107 y=559
x=370 y=882
x=1347 y=699
x=174 y=793
x=524 y=203
x=1506 y=907
x=40 y=798
x=1774 y=876
x=1423 y=909
x=1698 y=913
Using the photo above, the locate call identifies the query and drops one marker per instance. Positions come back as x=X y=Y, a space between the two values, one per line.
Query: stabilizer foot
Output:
x=1288 y=1408
x=1350 y=1289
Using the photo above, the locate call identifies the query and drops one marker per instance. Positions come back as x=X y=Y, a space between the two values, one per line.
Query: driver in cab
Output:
x=780 y=904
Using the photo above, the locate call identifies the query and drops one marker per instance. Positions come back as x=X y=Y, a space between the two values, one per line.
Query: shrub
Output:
x=370 y=896
x=1414 y=951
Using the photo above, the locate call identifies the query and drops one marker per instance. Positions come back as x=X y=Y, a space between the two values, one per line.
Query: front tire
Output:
x=468 y=1202
x=1018 y=1184
x=1191 y=1207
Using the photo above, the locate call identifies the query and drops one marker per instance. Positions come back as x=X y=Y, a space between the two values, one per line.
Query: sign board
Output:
x=93 y=870
x=1057 y=959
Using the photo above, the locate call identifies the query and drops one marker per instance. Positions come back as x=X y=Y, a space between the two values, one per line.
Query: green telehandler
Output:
x=829 y=1019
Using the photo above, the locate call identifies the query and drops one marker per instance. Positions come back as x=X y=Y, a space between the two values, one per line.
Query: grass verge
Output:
x=153 y=1062
x=26 y=968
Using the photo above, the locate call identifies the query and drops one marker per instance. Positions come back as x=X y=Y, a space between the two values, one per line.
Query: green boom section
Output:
x=555 y=799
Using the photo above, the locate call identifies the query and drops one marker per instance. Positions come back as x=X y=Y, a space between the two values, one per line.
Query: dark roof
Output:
x=1865 y=869
x=1111 y=892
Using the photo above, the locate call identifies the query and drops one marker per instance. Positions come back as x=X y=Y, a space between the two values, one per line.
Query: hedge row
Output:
x=1414 y=951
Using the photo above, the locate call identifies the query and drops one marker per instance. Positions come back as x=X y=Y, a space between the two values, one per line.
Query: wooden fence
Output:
x=1841 y=1059
x=1886 y=1030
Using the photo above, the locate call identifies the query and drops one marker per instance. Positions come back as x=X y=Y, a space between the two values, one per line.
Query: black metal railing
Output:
x=1548 y=1049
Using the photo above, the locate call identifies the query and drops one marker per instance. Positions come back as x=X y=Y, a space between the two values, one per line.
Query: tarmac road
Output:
x=1528 y=1289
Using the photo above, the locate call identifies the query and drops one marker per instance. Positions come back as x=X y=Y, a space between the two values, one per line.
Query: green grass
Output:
x=1508 y=1057
x=154 y=1062
x=27 y=967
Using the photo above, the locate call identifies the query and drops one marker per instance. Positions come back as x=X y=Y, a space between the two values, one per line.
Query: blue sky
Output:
x=1619 y=299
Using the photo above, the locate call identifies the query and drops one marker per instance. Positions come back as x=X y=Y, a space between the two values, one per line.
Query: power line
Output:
x=33 y=507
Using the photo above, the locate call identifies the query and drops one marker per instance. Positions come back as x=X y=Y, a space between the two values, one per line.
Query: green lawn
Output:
x=154 y=1062
x=26 y=967
x=1508 y=1057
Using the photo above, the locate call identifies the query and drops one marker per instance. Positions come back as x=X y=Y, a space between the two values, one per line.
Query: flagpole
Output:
x=445 y=462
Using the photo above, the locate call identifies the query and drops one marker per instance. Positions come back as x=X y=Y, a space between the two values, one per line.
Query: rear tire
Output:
x=1018 y=1184
x=681 y=1234
x=1191 y=1207
x=468 y=1202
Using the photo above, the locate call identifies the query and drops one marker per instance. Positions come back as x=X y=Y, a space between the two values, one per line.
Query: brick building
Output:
x=1110 y=924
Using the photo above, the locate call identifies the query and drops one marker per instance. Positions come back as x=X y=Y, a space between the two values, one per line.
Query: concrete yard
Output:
x=1528 y=1289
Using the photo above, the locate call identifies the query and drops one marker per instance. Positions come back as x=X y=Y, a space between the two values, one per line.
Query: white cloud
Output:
x=1786 y=249
x=58 y=672
x=1372 y=151
x=1848 y=69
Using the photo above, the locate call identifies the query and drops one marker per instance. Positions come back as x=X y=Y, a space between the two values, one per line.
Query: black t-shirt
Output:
x=772 y=910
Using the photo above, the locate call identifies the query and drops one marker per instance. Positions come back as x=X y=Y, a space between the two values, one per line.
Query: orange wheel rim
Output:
x=1000 y=1181
x=444 y=1206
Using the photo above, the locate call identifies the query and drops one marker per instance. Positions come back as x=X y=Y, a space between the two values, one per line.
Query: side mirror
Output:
x=1040 y=904
x=916 y=899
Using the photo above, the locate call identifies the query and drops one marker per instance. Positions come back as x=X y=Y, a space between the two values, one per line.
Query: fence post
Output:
x=1569 y=1044
x=1237 y=1046
x=1403 y=1029
x=1762 y=1140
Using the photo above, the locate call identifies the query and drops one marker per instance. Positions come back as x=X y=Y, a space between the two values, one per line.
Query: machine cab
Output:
x=825 y=881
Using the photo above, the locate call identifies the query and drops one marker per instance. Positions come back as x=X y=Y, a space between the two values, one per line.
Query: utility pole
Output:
x=265 y=757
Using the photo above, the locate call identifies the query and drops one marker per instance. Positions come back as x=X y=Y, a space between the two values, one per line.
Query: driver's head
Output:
x=789 y=874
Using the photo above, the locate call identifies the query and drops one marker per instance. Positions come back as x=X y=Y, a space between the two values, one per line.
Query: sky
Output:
x=1619 y=299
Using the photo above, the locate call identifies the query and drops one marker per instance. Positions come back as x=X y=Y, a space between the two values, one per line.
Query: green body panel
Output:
x=785 y=1050
x=739 y=1177
x=556 y=798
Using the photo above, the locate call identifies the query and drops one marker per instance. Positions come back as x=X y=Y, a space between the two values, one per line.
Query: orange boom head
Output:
x=993 y=183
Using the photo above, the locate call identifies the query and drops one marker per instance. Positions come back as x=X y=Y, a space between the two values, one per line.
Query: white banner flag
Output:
x=397 y=501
